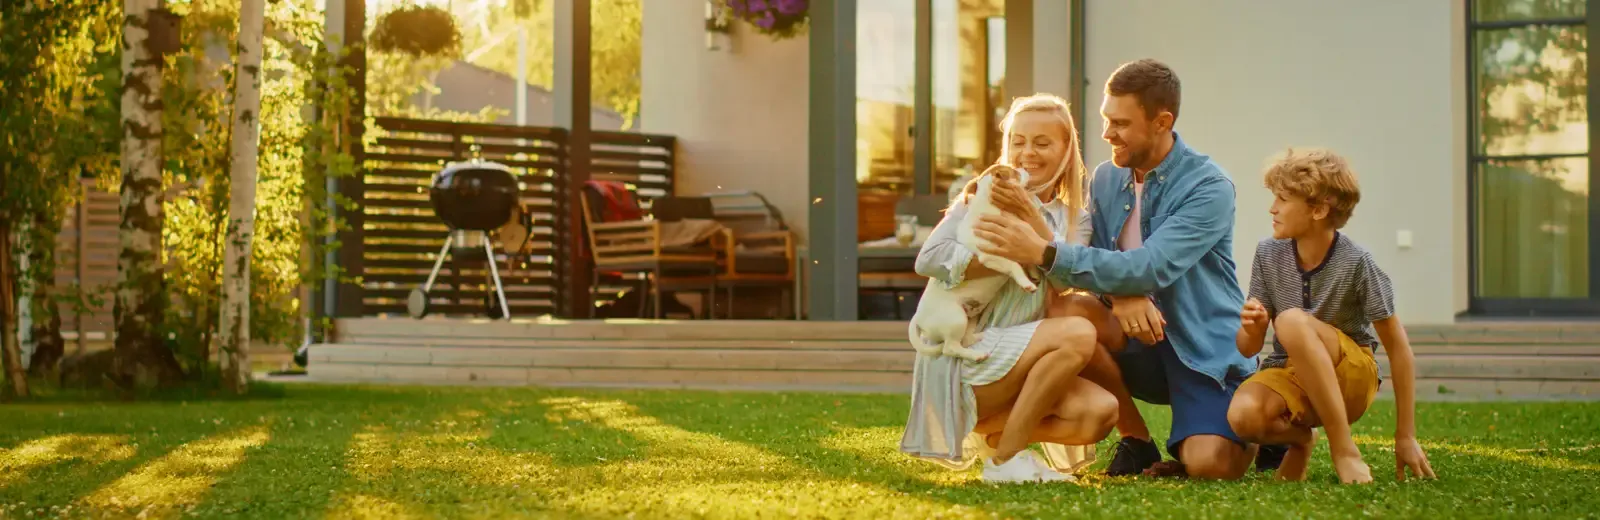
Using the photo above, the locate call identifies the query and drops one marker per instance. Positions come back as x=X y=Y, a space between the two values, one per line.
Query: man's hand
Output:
x=1007 y=237
x=1139 y=317
x=1254 y=315
x=1408 y=455
x=1012 y=198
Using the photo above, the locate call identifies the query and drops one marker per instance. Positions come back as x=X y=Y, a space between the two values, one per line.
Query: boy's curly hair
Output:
x=1319 y=176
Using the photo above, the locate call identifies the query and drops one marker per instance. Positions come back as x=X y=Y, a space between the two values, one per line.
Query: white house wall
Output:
x=740 y=116
x=1380 y=81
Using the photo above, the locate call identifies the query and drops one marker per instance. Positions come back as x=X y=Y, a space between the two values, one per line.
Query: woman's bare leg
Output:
x=1102 y=369
x=1058 y=351
x=1084 y=415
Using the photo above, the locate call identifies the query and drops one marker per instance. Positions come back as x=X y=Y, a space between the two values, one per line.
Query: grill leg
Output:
x=494 y=273
x=437 y=264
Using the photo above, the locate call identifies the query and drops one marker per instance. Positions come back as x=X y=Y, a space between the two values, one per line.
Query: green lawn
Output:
x=391 y=452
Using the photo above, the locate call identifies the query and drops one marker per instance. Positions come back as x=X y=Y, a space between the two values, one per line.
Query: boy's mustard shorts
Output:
x=1356 y=373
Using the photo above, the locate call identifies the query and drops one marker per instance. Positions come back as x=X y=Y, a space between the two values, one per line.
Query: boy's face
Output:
x=1293 y=217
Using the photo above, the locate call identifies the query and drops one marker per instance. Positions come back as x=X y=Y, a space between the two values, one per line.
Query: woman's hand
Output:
x=1011 y=198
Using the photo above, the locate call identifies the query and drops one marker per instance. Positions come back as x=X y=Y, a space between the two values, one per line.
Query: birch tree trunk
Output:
x=10 y=349
x=235 y=327
x=140 y=353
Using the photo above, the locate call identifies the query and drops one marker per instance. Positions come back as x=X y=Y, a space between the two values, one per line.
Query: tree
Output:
x=44 y=118
x=140 y=295
x=489 y=37
x=246 y=132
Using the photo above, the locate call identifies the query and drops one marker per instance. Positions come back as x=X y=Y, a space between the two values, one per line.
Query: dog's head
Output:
x=1007 y=174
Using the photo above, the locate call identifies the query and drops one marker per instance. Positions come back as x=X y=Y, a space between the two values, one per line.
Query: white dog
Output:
x=945 y=320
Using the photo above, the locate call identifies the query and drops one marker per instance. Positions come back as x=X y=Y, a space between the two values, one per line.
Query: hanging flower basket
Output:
x=779 y=19
x=418 y=31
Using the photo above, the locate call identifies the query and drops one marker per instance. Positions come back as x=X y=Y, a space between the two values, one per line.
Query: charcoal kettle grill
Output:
x=472 y=198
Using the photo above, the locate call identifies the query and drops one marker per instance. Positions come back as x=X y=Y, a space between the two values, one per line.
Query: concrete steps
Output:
x=1515 y=361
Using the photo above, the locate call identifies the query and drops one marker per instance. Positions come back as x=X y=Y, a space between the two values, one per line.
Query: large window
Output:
x=1531 y=158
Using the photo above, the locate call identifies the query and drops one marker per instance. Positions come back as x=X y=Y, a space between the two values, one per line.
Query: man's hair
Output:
x=1320 y=177
x=1153 y=83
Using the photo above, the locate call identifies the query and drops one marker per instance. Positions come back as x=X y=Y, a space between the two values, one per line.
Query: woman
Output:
x=1029 y=389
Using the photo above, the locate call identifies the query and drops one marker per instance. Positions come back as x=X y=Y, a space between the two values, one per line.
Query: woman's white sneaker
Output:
x=1018 y=469
x=1046 y=473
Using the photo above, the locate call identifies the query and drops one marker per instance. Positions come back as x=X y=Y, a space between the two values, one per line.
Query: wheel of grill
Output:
x=417 y=303
x=491 y=306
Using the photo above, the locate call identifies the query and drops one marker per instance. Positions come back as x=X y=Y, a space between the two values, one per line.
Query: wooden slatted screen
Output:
x=86 y=256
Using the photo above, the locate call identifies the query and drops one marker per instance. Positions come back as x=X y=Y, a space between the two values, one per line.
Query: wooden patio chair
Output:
x=757 y=248
x=634 y=246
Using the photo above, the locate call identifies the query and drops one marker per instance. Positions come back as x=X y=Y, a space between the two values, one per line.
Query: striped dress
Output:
x=944 y=410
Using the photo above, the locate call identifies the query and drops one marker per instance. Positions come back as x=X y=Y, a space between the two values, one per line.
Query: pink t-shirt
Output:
x=1132 y=237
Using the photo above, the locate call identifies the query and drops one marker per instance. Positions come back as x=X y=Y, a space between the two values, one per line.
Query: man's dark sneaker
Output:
x=1270 y=456
x=1169 y=468
x=1132 y=457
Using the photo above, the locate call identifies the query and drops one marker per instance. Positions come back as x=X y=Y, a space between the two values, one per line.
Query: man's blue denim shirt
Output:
x=1186 y=262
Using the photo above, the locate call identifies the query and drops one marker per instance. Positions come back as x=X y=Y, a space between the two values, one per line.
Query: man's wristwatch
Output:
x=1049 y=257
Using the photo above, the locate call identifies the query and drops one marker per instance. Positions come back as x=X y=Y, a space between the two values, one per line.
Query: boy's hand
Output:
x=1254 y=314
x=1408 y=455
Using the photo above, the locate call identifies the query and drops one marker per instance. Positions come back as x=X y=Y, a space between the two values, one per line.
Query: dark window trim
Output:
x=1540 y=307
x=1529 y=157
x=1513 y=24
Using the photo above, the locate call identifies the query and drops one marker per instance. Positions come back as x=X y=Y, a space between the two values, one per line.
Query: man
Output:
x=1164 y=260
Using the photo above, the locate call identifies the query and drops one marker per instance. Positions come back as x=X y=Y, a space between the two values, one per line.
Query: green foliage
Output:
x=296 y=156
x=58 y=119
x=396 y=79
x=490 y=41
x=1532 y=81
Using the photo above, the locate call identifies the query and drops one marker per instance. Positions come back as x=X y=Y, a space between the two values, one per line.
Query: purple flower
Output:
x=767 y=20
x=758 y=5
x=791 y=7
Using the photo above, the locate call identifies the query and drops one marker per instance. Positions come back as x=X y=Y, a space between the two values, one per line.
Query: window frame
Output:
x=1531 y=307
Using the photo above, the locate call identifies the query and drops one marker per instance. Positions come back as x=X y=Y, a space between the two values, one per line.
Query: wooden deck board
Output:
x=1513 y=359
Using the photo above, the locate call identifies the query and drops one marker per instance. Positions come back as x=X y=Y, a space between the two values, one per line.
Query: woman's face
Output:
x=1038 y=144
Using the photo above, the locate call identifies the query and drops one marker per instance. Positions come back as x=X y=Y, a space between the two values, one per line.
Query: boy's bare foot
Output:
x=1352 y=470
x=1295 y=462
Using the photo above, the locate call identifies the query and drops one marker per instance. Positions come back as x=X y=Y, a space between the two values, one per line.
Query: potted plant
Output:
x=779 y=19
x=418 y=31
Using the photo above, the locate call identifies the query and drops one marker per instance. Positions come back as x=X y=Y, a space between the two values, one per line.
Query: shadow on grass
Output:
x=566 y=438
x=73 y=475
x=295 y=474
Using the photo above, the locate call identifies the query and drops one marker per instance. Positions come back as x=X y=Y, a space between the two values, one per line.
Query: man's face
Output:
x=1131 y=133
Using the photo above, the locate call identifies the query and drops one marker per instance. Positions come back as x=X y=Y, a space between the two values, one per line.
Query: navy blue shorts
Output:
x=1199 y=404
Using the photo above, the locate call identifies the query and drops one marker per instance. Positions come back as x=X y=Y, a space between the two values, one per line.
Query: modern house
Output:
x=1466 y=121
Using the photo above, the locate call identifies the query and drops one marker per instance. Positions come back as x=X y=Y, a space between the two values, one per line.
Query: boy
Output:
x=1330 y=306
